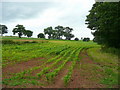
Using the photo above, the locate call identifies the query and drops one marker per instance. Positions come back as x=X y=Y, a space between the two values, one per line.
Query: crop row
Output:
x=20 y=53
x=21 y=74
x=67 y=77
x=51 y=75
x=52 y=65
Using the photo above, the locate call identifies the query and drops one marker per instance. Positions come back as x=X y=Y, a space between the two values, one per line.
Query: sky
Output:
x=36 y=15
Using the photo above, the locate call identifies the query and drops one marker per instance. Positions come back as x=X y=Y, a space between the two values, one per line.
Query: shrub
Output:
x=86 y=39
x=76 y=39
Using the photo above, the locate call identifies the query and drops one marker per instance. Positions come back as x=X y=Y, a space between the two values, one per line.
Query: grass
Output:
x=108 y=62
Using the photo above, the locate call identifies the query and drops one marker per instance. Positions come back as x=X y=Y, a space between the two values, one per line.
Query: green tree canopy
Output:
x=3 y=29
x=86 y=39
x=67 y=33
x=20 y=29
x=59 y=29
x=76 y=39
x=41 y=35
x=104 y=20
x=28 y=33
x=58 y=32
x=48 y=31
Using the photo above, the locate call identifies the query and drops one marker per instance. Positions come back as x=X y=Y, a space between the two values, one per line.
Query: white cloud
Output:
x=70 y=13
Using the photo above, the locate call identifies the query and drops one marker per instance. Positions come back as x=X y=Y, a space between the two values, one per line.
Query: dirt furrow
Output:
x=81 y=77
x=58 y=80
x=9 y=70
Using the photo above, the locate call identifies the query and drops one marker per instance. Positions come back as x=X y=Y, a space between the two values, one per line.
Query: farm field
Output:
x=39 y=63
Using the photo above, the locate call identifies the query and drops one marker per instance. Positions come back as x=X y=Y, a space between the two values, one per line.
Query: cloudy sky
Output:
x=36 y=15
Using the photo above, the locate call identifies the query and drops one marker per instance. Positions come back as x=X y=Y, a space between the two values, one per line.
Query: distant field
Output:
x=57 y=64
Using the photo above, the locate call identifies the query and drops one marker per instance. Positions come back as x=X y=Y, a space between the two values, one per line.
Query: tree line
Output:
x=57 y=33
x=19 y=29
x=104 y=20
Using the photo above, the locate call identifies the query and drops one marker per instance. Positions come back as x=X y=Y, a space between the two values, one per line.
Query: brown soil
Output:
x=81 y=77
x=33 y=73
x=58 y=82
x=21 y=66
x=46 y=65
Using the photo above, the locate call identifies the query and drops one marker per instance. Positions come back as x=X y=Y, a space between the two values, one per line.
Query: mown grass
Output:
x=108 y=62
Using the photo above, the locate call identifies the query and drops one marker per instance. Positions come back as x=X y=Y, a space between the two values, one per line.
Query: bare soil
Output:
x=81 y=77
x=6 y=72
x=58 y=80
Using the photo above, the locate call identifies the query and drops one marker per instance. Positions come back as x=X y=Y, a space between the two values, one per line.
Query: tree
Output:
x=48 y=31
x=76 y=39
x=86 y=39
x=20 y=29
x=70 y=36
x=41 y=35
x=67 y=33
x=3 y=29
x=59 y=32
x=59 y=29
x=81 y=38
x=104 y=20
x=28 y=33
x=54 y=34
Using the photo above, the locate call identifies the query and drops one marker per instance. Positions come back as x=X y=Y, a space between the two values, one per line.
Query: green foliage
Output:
x=76 y=39
x=59 y=32
x=20 y=29
x=28 y=33
x=111 y=78
x=16 y=82
x=67 y=77
x=67 y=33
x=3 y=29
x=50 y=76
x=41 y=35
x=104 y=20
x=109 y=64
x=53 y=64
x=86 y=39
x=111 y=50
x=48 y=31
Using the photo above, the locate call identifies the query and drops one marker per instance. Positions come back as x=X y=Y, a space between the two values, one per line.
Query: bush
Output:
x=111 y=50
x=86 y=39
x=76 y=39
